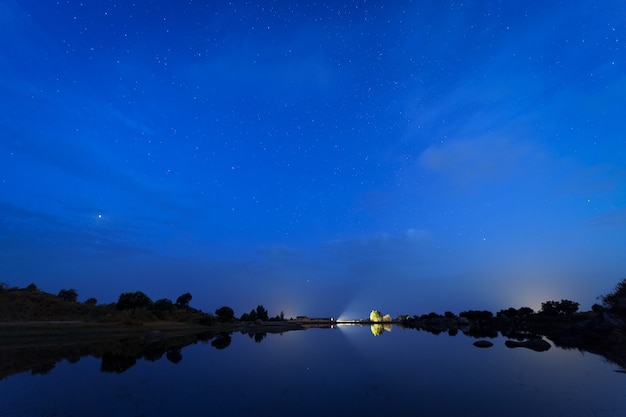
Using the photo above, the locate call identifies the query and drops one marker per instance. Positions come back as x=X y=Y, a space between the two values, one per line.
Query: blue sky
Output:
x=324 y=159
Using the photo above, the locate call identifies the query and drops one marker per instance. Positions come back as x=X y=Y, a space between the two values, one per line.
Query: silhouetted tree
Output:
x=555 y=308
x=224 y=313
x=526 y=311
x=70 y=295
x=476 y=314
x=568 y=307
x=162 y=308
x=376 y=315
x=261 y=313
x=251 y=316
x=91 y=301
x=248 y=316
x=132 y=300
x=616 y=300
x=32 y=287
x=549 y=308
x=163 y=304
x=183 y=300
x=508 y=313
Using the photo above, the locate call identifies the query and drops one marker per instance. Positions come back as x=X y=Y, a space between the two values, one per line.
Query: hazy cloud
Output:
x=479 y=159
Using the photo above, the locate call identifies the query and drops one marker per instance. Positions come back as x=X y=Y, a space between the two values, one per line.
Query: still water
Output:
x=330 y=372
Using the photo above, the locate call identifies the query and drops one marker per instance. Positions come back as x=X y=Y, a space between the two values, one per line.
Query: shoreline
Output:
x=55 y=332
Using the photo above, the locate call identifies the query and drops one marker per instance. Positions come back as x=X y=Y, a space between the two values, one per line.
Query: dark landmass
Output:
x=38 y=329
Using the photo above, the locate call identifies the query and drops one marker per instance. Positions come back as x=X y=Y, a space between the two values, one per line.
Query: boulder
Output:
x=538 y=345
x=483 y=344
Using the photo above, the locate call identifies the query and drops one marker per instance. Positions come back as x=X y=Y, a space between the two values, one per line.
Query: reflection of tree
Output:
x=173 y=355
x=222 y=341
x=257 y=336
x=377 y=329
x=153 y=353
x=43 y=369
x=114 y=363
x=481 y=332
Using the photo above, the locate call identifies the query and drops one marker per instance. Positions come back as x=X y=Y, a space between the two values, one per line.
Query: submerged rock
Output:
x=483 y=344
x=538 y=345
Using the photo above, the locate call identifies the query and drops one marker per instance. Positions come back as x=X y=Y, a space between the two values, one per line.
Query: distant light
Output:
x=99 y=216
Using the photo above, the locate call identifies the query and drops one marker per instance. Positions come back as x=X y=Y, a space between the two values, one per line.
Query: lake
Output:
x=328 y=372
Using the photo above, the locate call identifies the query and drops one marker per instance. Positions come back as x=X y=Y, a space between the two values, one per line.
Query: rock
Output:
x=538 y=345
x=483 y=344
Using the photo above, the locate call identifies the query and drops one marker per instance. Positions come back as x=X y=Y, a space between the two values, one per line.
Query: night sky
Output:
x=321 y=159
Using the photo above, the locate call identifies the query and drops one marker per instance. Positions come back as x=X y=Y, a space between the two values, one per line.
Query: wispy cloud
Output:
x=479 y=159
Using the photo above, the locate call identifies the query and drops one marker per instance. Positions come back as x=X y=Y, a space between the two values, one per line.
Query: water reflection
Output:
x=121 y=354
x=314 y=372
x=377 y=329
x=117 y=355
x=221 y=341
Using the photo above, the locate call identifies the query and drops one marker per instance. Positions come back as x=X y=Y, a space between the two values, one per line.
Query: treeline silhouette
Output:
x=601 y=331
x=132 y=308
